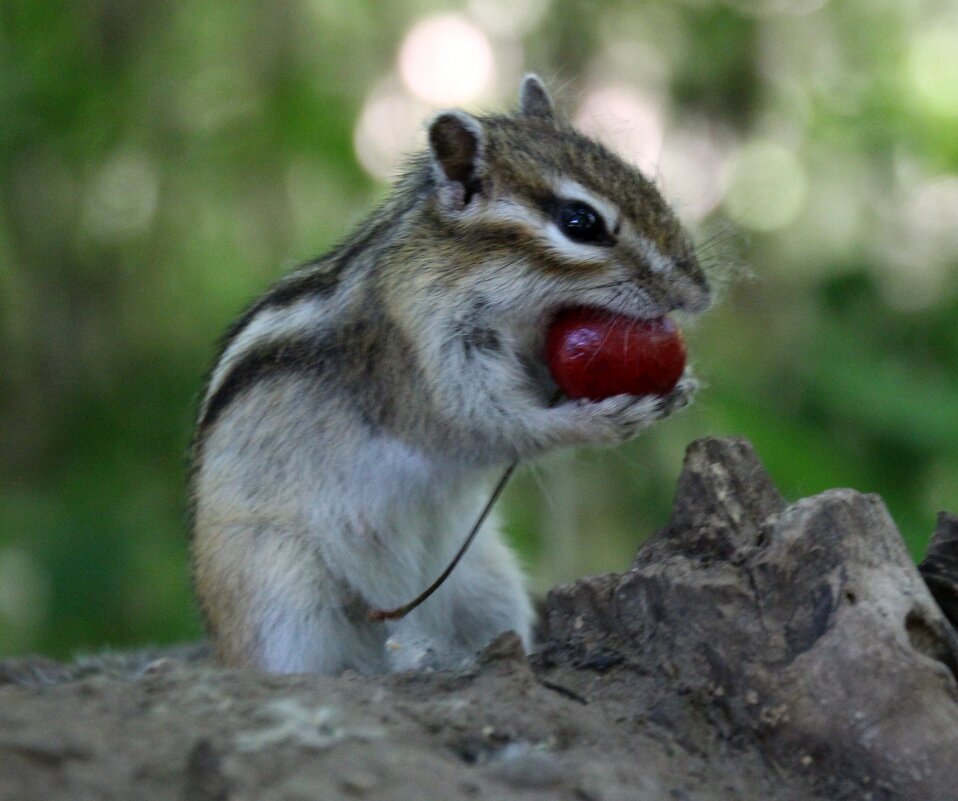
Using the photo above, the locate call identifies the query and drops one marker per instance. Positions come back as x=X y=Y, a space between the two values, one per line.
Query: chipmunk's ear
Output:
x=534 y=100
x=455 y=143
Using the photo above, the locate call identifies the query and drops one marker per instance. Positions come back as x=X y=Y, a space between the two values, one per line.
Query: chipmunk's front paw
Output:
x=614 y=419
x=678 y=398
x=621 y=417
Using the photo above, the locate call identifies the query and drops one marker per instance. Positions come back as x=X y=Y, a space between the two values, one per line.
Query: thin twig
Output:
x=405 y=609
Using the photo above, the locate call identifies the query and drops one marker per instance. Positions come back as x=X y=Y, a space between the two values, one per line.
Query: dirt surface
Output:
x=754 y=650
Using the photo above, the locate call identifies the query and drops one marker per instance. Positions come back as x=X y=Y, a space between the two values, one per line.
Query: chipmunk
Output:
x=358 y=410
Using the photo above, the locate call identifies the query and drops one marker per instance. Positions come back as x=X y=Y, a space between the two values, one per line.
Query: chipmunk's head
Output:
x=531 y=191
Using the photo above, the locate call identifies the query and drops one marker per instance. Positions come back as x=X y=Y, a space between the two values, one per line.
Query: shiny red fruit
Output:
x=595 y=354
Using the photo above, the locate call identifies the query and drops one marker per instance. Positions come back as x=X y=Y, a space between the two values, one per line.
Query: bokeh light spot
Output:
x=121 y=197
x=766 y=188
x=446 y=60
x=919 y=242
x=509 y=18
x=24 y=588
x=628 y=122
x=390 y=127
x=771 y=8
x=933 y=68
x=215 y=98
x=691 y=169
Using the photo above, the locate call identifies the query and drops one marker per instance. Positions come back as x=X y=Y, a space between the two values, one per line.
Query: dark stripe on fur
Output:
x=329 y=269
x=302 y=356
x=319 y=283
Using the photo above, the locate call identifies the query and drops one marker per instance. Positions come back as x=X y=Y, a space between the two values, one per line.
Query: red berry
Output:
x=595 y=354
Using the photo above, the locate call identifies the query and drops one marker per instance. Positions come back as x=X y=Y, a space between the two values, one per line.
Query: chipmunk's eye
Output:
x=581 y=223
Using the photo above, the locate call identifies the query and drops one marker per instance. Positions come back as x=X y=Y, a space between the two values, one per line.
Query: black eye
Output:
x=581 y=223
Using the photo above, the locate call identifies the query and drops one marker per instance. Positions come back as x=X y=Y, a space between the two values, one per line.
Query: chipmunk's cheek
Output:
x=593 y=354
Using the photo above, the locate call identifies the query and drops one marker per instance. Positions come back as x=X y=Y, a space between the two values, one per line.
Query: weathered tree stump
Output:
x=803 y=632
x=754 y=650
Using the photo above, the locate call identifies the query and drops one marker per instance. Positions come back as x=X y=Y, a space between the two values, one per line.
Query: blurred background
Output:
x=162 y=163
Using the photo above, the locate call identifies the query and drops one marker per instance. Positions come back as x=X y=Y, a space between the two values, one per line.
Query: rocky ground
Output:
x=754 y=650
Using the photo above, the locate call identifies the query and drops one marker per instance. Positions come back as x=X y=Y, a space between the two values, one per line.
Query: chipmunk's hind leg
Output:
x=278 y=609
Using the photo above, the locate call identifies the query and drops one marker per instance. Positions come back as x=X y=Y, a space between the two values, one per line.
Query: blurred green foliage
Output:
x=161 y=163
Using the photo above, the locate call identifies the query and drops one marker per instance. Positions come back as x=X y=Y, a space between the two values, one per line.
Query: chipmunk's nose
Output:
x=695 y=297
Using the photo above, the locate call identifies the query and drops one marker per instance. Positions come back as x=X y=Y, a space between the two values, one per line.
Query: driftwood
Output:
x=754 y=650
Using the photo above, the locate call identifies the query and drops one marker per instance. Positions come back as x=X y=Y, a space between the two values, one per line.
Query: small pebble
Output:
x=523 y=765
